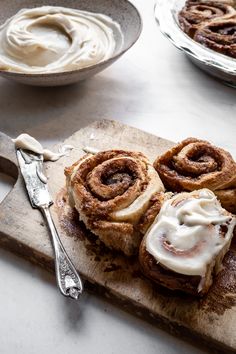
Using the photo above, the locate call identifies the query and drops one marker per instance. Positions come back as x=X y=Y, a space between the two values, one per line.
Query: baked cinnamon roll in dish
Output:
x=111 y=190
x=218 y=35
x=195 y=164
x=197 y=12
x=185 y=246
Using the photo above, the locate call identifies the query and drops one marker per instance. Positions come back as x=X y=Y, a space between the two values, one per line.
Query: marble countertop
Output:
x=153 y=87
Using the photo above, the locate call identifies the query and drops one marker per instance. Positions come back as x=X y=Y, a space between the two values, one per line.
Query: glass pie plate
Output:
x=215 y=64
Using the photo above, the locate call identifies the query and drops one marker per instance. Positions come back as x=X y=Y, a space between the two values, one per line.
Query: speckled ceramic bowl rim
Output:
x=166 y=14
x=104 y=62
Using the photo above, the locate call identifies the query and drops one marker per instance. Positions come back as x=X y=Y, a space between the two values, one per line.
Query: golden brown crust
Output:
x=195 y=164
x=197 y=12
x=227 y=198
x=153 y=210
x=104 y=185
x=96 y=204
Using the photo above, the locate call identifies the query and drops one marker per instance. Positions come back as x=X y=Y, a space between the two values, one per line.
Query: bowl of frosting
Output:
x=66 y=41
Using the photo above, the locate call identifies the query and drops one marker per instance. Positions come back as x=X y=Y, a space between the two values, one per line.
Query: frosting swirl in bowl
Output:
x=190 y=230
x=51 y=39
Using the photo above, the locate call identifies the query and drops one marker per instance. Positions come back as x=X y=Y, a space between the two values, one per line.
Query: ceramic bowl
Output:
x=215 y=64
x=121 y=11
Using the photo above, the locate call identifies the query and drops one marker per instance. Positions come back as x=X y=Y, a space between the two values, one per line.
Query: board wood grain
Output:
x=209 y=321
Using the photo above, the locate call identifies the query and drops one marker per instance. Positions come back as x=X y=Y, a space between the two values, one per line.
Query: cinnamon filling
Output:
x=225 y=30
x=121 y=177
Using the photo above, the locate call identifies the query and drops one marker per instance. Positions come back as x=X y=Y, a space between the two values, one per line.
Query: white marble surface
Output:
x=153 y=87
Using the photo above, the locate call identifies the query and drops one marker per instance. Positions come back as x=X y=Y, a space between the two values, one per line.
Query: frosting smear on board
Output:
x=190 y=230
x=51 y=39
x=27 y=142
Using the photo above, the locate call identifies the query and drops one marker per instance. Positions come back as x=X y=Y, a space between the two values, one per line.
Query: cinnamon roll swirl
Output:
x=187 y=242
x=111 y=190
x=198 y=12
x=218 y=35
x=195 y=164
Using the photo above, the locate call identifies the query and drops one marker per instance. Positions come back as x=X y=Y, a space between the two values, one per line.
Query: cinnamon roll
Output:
x=198 y=12
x=195 y=164
x=111 y=190
x=186 y=244
x=218 y=35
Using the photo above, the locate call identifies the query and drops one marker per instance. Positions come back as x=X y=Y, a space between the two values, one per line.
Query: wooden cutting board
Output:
x=210 y=321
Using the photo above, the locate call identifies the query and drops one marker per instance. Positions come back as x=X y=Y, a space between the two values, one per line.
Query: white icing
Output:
x=90 y=150
x=53 y=39
x=54 y=156
x=193 y=222
x=27 y=142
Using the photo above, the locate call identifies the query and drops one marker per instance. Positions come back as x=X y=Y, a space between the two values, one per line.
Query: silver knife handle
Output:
x=68 y=279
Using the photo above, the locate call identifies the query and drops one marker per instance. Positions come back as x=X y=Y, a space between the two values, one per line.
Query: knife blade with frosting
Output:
x=31 y=166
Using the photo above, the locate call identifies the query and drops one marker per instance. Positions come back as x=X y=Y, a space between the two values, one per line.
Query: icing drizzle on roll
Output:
x=190 y=230
x=54 y=39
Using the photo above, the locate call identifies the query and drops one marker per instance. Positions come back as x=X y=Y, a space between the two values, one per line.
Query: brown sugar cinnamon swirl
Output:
x=111 y=190
x=197 y=12
x=218 y=35
x=195 y=164
x=185 y=246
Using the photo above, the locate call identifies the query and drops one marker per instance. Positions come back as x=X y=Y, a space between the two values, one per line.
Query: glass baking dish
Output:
x=218 y=65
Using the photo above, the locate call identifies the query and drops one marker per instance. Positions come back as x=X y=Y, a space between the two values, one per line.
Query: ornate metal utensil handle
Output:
x=68 y=279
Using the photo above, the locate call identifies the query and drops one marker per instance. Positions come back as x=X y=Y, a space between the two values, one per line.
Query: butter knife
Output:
x=31 y=166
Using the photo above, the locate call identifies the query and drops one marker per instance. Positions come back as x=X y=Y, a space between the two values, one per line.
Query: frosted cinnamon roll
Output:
x=195 y=164
x=218 y=35
x=197 y=12
x=187 y=242
x=111 y=190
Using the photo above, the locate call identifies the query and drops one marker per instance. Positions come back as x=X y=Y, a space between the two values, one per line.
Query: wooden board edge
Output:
x=175 y=329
